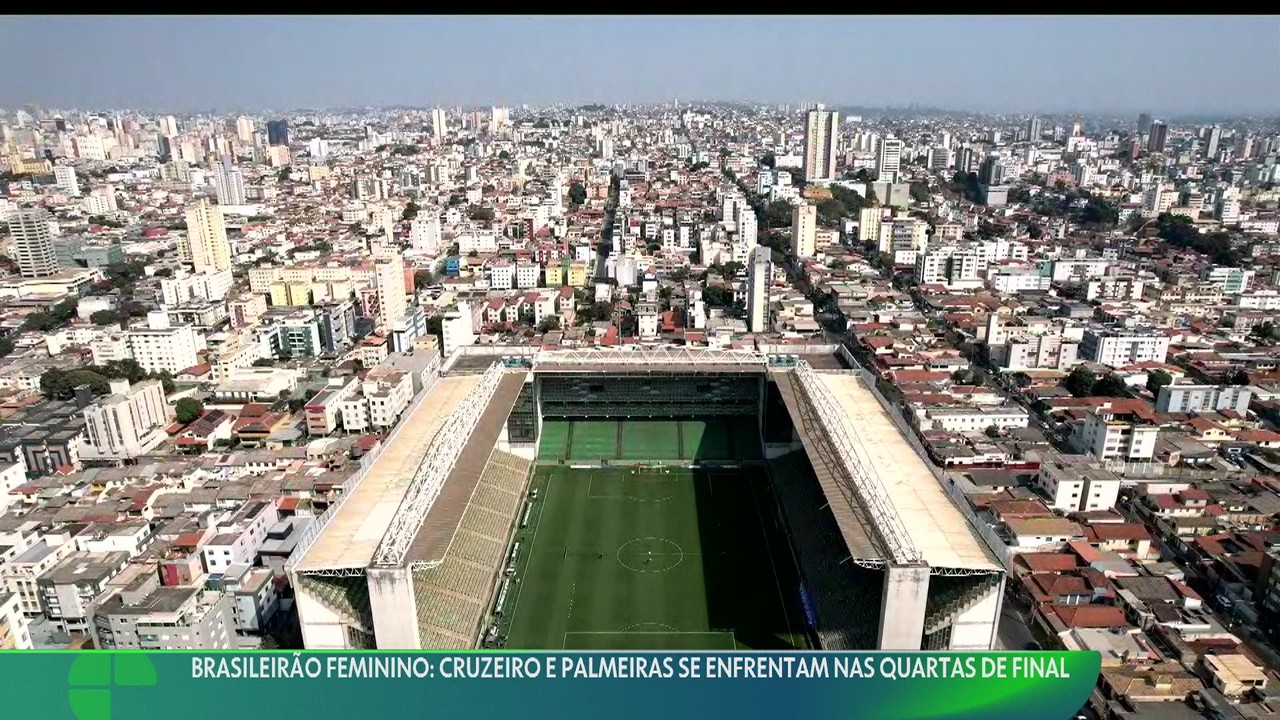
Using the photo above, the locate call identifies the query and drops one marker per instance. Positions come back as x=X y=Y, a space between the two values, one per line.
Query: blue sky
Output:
x=1157 y=64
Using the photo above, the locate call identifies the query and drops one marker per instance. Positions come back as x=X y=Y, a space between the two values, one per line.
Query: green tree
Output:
x=504 y=155
x=105 y=317
x=481 y=214
x=6 y=346
x=920 y=192
x=410 y=211
x=1157 y=379
x=992 y=431
x=769 y=160
x=1111 y=385
x=188 y=410
x=284 y=174
x=40 y=322
x=1080 y=382
x=577 y=193
x=264 y=362
x=423 y=278
x=549 y=323
x=1264 y=333
x=1239 y=377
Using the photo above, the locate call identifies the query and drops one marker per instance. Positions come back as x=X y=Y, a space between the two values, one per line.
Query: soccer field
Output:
x=650 y=558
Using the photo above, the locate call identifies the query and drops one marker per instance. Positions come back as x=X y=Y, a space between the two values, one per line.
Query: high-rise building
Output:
x=991 y=172
x=244 y=130
x=33 y=243
x=439 y=124
x=821 y=136
x=64 y=176
x=1144 y=124
x=804 y=229
x=229 y=184
x=206 y=245
x=168 y=126
x=1034 y=129
x=889 y=161
x=1159 y=134
x=127 y=423
x=389 y=278
x=277 y=132
x=1211 y=145
x=759 y=282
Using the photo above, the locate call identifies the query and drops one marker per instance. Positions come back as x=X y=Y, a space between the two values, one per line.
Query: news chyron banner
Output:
x=367 y=685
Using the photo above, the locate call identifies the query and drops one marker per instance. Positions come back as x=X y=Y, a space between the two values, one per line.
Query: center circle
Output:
x=650 y=555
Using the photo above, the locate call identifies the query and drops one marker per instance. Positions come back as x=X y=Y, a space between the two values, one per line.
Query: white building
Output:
x=1178 y=398
x=1115 y=431
x=64 y=176
x=970 y=419
x=126 y=424
x=889 y=160
x=759 y=282
x=162 y=347
x=1118 y=348
x=206 y=246
x=804 y=229
x=1076 y=483
x=390 y=285
x=457 y=329
x=185 y=288
x=821 y=138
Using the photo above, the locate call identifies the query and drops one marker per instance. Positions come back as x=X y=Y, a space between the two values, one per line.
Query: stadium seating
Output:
x=453 y=598
x=848 y=621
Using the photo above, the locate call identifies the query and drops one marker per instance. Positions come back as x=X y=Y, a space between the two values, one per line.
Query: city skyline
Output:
x=450 y=61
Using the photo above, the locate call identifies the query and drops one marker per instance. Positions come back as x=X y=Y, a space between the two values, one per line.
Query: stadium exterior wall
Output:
x=322 y=629
x=902 y=607
x=395 y=612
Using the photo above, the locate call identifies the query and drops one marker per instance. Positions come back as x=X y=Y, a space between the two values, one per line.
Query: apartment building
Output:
x=1119 y=430
x=1077 y=483
x=68 y=590
x=126 y=424
x=14 y=632
x=1121 y=347
x=164 y=347
x=142 y=614
x=1188 y=398
x=239 y=536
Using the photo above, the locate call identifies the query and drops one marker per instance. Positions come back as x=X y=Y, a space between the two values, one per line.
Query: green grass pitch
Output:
x=643 y=558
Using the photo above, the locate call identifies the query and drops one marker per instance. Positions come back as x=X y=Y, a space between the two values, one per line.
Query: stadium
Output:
x=660 y=498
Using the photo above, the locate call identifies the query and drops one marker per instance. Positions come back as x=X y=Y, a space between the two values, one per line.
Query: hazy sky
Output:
x=1161 y=65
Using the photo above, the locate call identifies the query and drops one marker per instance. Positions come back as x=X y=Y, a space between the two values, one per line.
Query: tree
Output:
x=1080 y=382
x=284 y=174
x=264 y=362
x=1157 y=379
x=40 y=322
x=481 y=213
x=992 y=431
x=1264 y=333
x=1239 y=377
x=549 y=323
x=105 y=317
x=188 y=410
x=920 y=192
x=410 y=211
x=769 y=160
x=6 y=346
x=423 y=278
x=577 y=194
x=777 y=214
x=504 y=155
x=1111 y=385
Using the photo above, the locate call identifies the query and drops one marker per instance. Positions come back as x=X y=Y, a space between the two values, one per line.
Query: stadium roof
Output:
x=441 y=523
x=935 y=526
x=351 y=537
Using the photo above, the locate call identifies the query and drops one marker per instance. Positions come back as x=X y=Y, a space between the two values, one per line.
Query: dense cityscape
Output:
x=213 y=327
